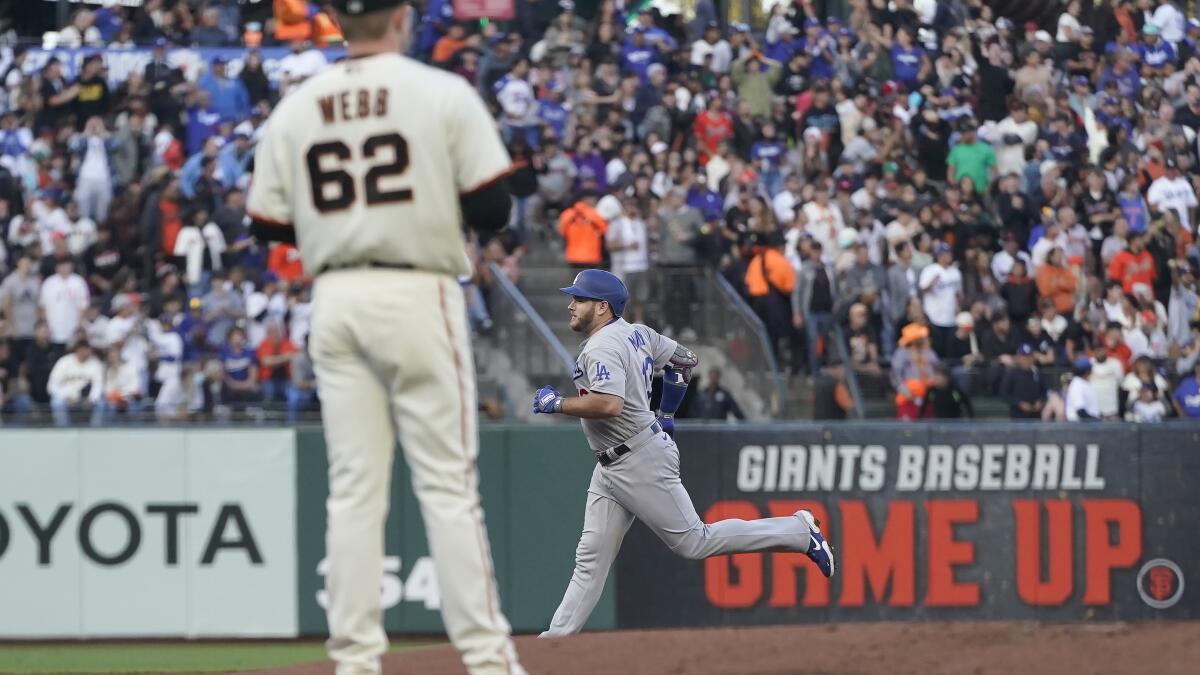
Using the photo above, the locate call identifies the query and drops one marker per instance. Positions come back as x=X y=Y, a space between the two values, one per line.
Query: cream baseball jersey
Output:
x=367 y=161
x=621 y=359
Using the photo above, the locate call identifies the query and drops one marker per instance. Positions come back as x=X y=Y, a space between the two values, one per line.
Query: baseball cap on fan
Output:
x=356 y=7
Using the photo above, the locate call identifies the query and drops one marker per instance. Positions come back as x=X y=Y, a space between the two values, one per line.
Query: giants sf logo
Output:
x=1160 y=583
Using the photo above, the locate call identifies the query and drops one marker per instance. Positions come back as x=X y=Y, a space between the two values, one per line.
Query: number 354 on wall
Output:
x=421 y=586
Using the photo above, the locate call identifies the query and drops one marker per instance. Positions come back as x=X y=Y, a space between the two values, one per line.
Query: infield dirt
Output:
x=1150 y=648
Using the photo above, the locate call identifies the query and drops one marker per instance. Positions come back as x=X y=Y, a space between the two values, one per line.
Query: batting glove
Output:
x=667 y=422
x=547 y=400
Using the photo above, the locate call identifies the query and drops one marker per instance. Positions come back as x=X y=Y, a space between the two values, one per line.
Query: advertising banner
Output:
x=192 y=61
x=939 y=522
x=533 y=484
x=147 y=532
x=483 y=9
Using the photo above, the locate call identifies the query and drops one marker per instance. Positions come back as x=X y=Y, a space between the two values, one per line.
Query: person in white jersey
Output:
x=371 y=167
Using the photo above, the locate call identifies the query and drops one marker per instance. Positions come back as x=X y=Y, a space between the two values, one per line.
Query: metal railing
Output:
x=524 y=336
x=704 y=301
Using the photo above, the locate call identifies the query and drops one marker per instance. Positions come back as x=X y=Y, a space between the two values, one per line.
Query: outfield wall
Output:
x=207 y=533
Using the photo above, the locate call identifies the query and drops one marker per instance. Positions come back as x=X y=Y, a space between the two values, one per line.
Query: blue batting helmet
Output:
x=600 y=285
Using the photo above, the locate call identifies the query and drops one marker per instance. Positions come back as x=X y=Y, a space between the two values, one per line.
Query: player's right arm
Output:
x=269 y=203
x=481 y=163
x=604 y=372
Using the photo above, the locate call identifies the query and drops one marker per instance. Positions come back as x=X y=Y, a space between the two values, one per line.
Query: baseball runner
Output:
x=637 y=475
x=367 y=167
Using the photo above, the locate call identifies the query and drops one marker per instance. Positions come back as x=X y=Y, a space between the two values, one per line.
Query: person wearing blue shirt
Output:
x=768 y=155
x=233 y=159
x=1110 y=115
x=1154 y=52
x=820 y=48
x=228 y=94
x=202 y=123
x=654 y=35
x=239 y=363
x=552 y=111
x=909 y=63
x=14 y=140
x=638 y=54
x=709 y=203
x=108 y=23
x=1187 y=394
x=192 y=169
x=439 y=14
x=1122 y=72
x=1065 y=143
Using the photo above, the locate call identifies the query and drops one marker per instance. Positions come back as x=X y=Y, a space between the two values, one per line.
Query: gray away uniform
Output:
x=620 y=359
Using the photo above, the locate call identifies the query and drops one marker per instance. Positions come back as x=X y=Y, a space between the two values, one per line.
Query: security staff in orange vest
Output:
x=770 y=279
x=582 y=229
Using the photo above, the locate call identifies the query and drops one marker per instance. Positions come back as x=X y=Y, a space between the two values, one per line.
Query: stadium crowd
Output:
x=976 y=206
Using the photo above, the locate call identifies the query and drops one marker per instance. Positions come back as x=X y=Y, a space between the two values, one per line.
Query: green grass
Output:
x=163 y=657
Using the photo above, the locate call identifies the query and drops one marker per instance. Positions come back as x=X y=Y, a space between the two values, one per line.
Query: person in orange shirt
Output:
x=275 y=355
x=449 y=44
x=770 y=280
x=1058 y=282
x=1134 y=265
x=284 y=262
x=583 y=230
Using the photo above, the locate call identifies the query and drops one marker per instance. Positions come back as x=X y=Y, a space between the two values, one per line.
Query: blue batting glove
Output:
x=667 y=422
x=547 y=400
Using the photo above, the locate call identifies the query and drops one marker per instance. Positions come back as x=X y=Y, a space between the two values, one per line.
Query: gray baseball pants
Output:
x=644 y=484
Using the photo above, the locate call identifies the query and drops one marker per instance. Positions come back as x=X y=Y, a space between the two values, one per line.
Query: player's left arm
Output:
x=269 y=202
x=481 y=163
x=677 y=362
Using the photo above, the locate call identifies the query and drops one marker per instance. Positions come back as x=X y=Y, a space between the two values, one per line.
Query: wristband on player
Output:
x=674 y=388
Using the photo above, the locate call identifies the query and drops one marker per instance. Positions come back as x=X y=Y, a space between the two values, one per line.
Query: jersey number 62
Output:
x=334 y=189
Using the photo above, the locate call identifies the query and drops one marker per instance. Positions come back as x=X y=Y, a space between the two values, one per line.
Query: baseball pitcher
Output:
x=371 y=167
x=637 y=475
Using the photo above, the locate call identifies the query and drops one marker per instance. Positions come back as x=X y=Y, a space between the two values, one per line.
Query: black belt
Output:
x=373 y=264
x=607 y=457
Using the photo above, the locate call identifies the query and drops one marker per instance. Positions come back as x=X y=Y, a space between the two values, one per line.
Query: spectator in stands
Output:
x=629 y=250
x=583 y=231
x=229 y=96
x=76 y=383
x=770 y=283
x=1186 y=398
x=239 y=371
x=714 y=402
x=1022 y=386
x=813 y=301
x=1057 y=282
x=63 y=299
x=944 y=399
x=1020 y=293
x=1082 y=401
x=965 y=354
x=302 y=391
x=209 y=32
x=913 y=361
x=81 y=31
x=941 y=290
x=1143 y=372
x=19 y=304
x=863 y=342
x=122 y=386
x=1134 y=265
x=276 y=355
x=1147 y=339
